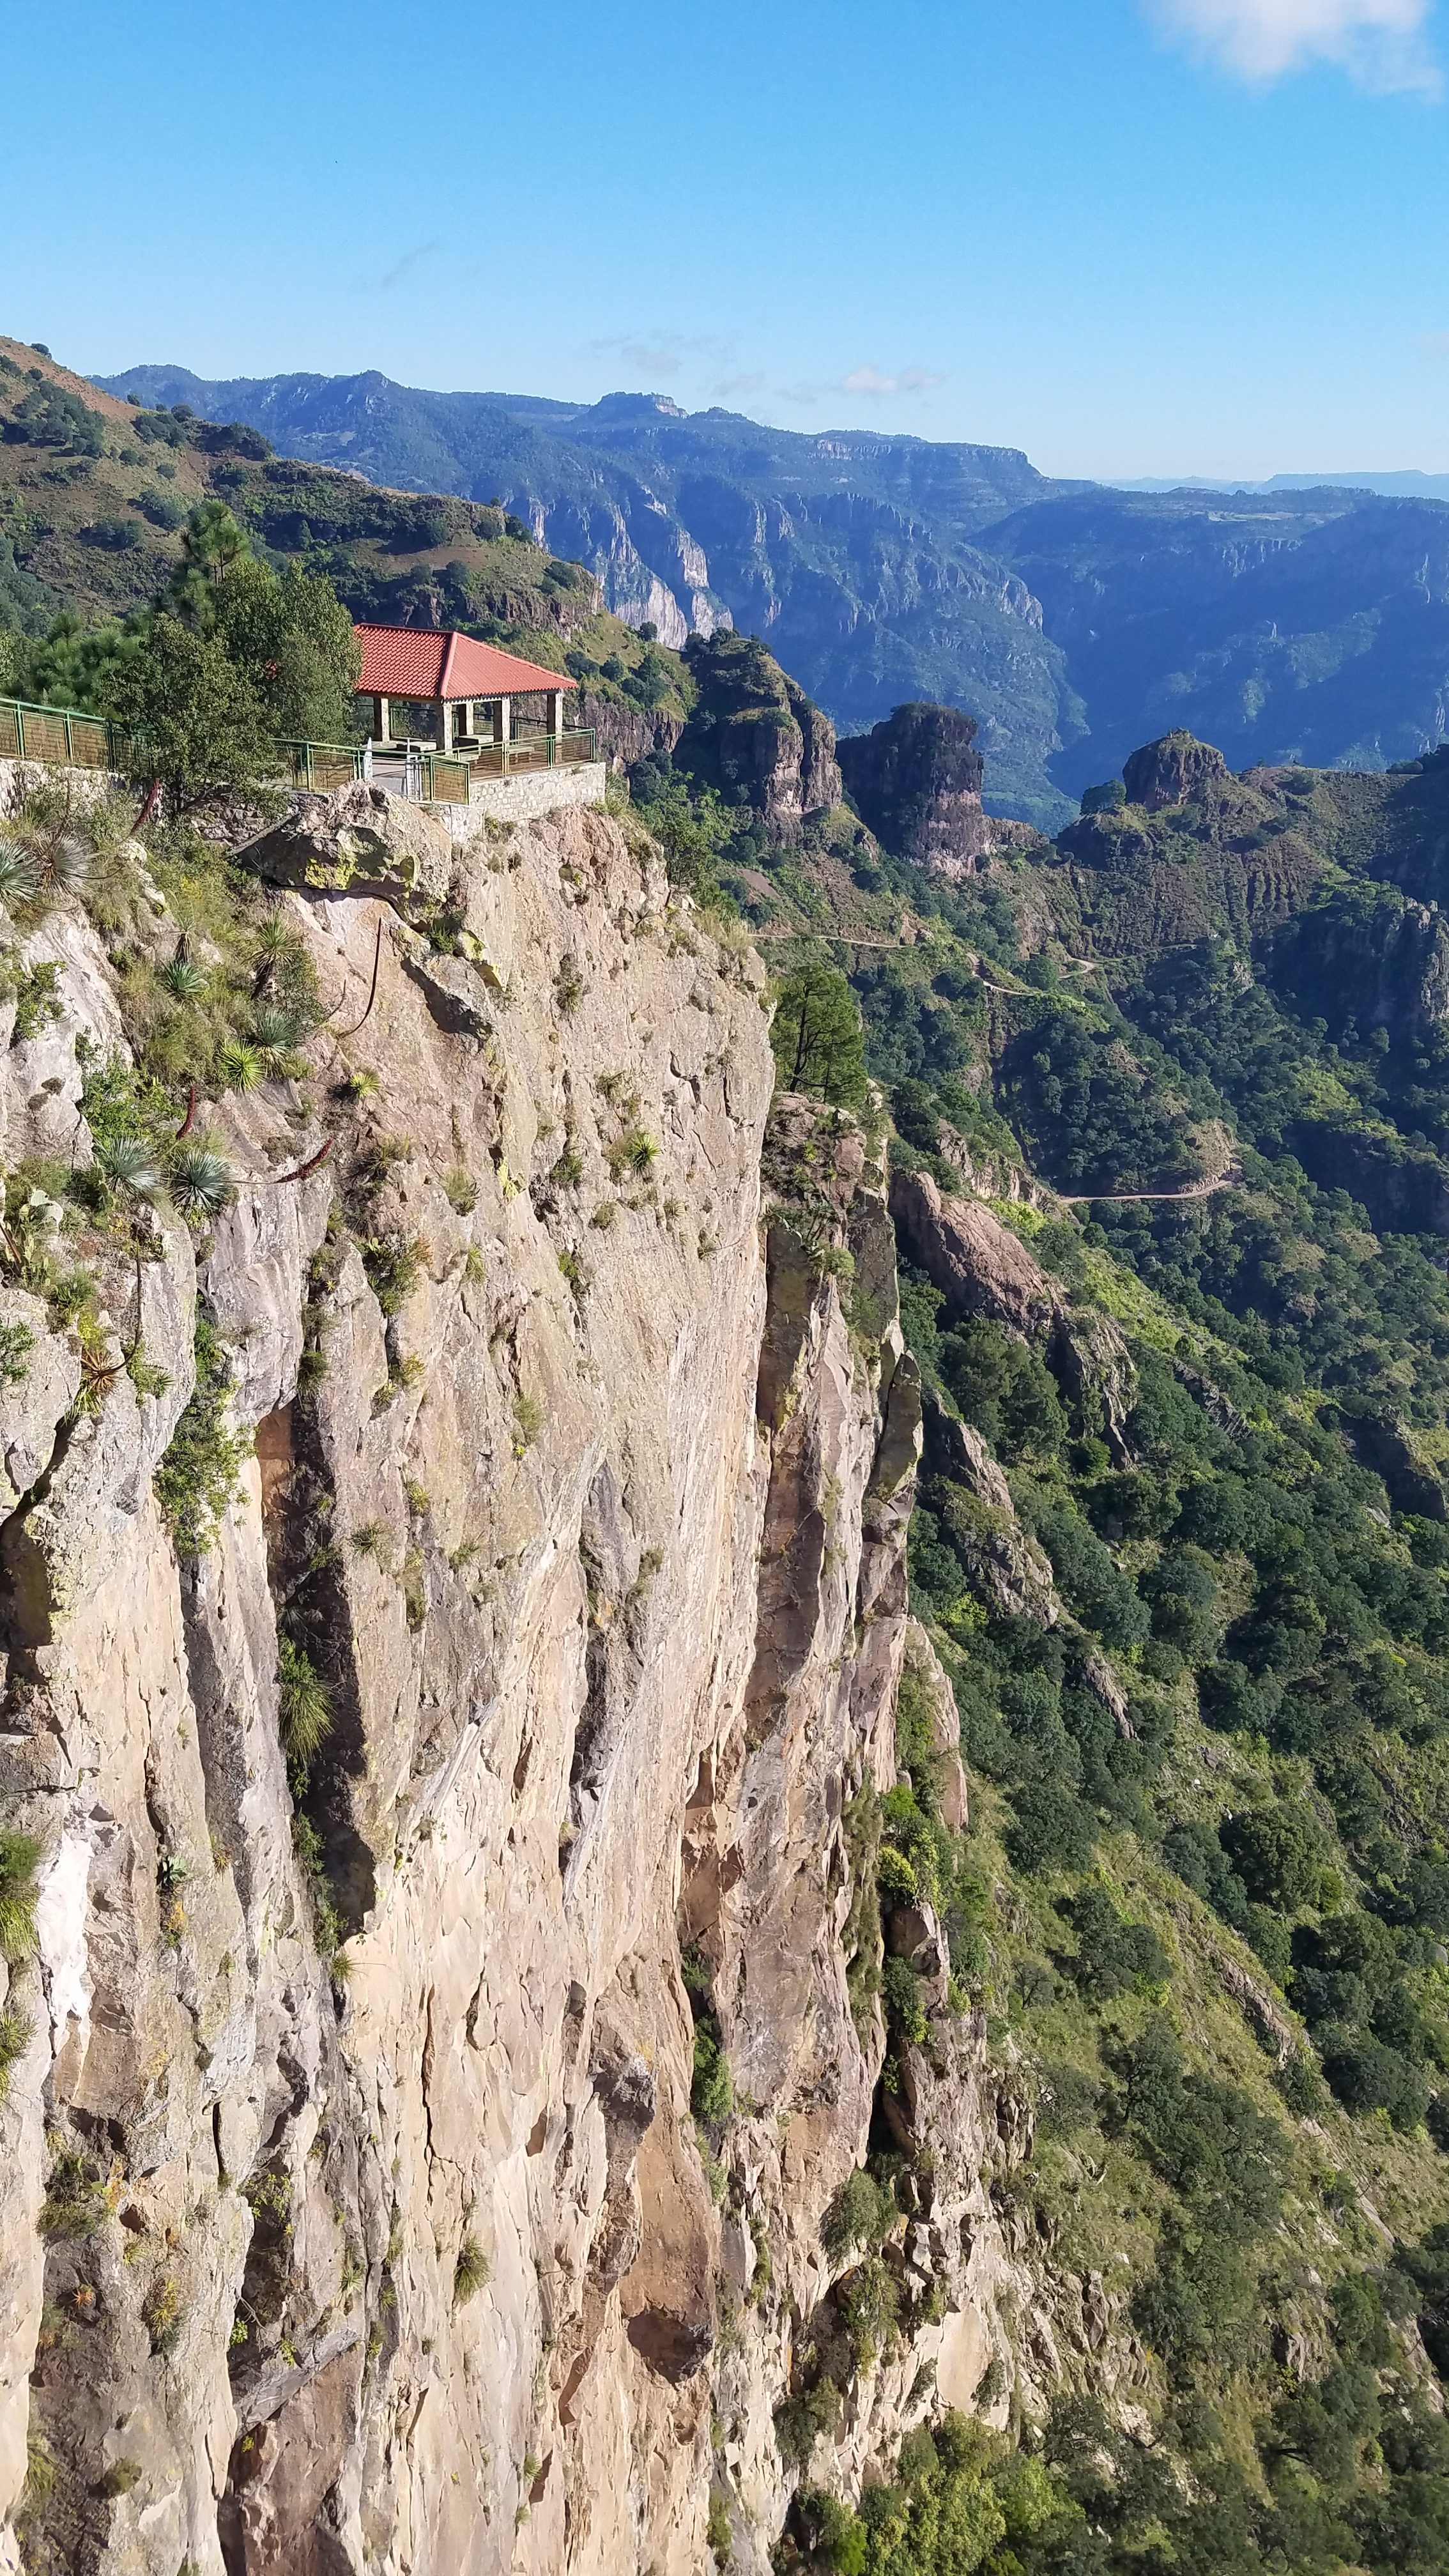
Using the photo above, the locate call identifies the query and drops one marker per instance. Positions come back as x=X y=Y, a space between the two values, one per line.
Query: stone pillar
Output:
x=553 y=706
x=445 y=725
x=503 y=720
x=381 y=718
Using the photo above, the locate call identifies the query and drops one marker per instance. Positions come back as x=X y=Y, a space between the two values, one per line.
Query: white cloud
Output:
x=1381 y=43
x=869 y=380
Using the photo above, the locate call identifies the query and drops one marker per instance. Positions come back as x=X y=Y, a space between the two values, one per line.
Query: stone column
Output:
x=553 y=711
x=503 y=720
x=381 y=718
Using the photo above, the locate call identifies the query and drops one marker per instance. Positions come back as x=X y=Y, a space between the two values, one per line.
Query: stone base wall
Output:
x=522 y=798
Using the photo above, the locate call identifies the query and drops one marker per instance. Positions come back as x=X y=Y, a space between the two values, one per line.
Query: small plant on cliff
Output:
x=162 y=2314
x=394 y=1264
x=197 y=1477
x=201 y=1180
x=19 y=1860
x=634 y=1151
x=15 y=2034
x=717 y=2529
x=74 y=2204
x=471 y=2272
x=16 y=1344
x=306 y=1705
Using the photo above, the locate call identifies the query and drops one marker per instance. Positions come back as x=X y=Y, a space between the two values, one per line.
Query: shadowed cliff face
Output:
x=916 y=779
x=575 y=1469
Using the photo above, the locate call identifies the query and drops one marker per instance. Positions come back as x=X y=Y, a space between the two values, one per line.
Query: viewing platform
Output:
x=444 y=725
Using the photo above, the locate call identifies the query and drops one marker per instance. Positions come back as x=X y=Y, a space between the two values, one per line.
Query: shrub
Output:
x=1114 y=1956
x=1367 y=2076
x=471 y=2272
x=860 y=2214
x=711 y=2092
x=803 y=2418
x=1278 y=1853
x=905 y=2008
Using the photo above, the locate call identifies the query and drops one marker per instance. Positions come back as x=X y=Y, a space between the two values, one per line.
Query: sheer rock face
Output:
x=596 y=1539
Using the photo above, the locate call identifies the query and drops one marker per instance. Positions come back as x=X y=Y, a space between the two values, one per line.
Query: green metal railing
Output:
x=533 y=751
x=446 y=781
x=65 y=738
x=322 y=765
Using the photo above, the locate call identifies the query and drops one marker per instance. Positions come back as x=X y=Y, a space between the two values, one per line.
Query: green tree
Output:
x=203 y=723
x=816 y=1035
x=295 y=641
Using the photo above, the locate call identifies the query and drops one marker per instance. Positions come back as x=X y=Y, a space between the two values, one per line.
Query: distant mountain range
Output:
x=1290 y=621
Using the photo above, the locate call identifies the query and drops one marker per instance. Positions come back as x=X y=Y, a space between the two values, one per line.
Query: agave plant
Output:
x=240 y=1067
x=19 y=875
x=128 y=1163
x=184 y=981
x=202 y=1180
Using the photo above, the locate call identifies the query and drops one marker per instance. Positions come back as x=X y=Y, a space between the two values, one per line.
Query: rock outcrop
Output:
x=916 y=778
x=1169 y=771
x=756 y=737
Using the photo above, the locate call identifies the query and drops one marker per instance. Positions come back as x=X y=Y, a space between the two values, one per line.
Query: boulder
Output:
x=358 y=840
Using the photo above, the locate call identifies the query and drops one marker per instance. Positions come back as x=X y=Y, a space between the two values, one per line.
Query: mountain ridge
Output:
x=1306 y=620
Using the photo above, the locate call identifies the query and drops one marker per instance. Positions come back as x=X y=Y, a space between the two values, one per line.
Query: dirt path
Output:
x=1231 y=1179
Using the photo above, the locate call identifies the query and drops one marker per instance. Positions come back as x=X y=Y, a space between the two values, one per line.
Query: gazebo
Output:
x=457 y=678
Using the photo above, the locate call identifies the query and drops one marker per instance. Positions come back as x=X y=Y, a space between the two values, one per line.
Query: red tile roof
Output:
x=431 y=662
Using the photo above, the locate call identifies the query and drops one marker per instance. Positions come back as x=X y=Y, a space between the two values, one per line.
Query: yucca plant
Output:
x=274 y=1038
x=19 y=1861
x=240 y=1066
x=306 y=1703
x=65 y=865
x=202 y=1181
x=184 y=980
x=129 y=1164
x=19 y=875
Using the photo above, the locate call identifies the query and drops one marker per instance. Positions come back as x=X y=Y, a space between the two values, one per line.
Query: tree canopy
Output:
x=816 y=1035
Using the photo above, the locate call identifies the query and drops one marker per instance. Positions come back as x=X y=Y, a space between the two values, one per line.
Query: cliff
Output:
x=456 y=1747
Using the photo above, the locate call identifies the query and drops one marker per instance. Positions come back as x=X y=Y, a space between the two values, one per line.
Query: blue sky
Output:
x=1130 y=236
